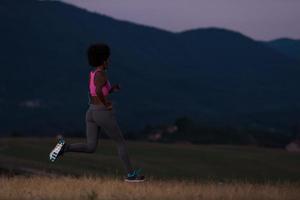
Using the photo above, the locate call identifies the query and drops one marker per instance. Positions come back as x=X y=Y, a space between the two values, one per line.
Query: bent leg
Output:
x=92 y=137
x=107 y=121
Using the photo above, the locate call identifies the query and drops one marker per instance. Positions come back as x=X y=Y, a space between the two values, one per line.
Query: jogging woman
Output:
x=99 y=114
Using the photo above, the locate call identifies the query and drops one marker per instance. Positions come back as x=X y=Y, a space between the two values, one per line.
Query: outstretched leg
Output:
x=107 y=121
x=91 y=137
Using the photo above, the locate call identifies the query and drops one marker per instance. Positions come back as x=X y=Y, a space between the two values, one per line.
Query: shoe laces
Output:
x=135 y=173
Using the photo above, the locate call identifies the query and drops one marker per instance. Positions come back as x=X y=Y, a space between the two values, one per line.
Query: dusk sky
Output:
x=259 y=19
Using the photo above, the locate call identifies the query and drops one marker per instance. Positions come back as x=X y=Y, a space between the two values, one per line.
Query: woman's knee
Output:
x=91 y=147
x=121 y=145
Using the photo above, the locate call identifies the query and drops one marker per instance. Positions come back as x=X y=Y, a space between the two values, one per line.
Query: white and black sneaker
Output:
x=58 y=149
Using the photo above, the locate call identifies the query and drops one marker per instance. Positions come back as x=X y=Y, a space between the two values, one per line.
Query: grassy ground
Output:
x=158 y=161
x=82 y=188
x=173 y=171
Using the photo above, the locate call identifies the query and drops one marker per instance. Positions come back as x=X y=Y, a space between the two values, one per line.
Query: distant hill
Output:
x=287 y=46
x=213 y=75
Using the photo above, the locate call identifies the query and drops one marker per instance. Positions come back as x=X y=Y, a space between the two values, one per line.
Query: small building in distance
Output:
x=294 y=146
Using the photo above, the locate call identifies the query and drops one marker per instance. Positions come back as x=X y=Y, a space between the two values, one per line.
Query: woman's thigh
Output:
x=107 y=121
x=91 y=128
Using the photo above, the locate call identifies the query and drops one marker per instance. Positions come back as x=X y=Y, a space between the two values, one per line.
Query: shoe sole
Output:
x=55 y=151
x=134 y=181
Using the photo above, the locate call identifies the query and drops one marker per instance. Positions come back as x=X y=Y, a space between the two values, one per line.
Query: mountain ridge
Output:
x=164 y=75
x=287 y=46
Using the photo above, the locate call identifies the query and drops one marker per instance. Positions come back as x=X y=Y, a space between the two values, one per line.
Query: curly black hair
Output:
x=97 y=54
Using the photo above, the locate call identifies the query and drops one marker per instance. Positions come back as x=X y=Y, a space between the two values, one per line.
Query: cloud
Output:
x=33 y=103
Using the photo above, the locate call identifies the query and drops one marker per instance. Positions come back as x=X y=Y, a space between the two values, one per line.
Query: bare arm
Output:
x=100 y=79
x=115 y=88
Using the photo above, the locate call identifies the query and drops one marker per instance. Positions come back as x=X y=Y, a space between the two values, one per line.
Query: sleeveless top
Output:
x=105 y=88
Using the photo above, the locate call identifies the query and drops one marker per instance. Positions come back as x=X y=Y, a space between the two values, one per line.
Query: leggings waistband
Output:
x=97 y=107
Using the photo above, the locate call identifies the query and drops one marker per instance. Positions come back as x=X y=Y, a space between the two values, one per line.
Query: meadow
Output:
x=173 y=171
x=92 y=188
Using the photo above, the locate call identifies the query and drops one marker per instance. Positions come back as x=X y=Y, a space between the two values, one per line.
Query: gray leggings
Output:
x=97 y=116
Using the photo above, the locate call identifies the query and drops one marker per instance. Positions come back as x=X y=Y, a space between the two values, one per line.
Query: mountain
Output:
x=286 y=46
x=214 y=75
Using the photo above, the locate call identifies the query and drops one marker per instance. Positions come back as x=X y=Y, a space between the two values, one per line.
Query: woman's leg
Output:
x=106 y=120
x=92 y=137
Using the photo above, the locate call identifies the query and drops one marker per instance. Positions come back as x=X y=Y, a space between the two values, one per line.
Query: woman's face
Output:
x=106 y=63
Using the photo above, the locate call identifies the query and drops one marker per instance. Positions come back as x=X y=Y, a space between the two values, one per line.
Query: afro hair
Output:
x=97 y=54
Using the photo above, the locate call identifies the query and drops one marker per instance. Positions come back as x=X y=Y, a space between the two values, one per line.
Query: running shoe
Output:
x=135 y=177
x=58 y=150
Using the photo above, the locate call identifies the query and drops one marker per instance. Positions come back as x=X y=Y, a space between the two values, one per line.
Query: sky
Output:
x=258 y=19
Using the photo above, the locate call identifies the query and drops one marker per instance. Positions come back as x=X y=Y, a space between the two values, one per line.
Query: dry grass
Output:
x=43 y=188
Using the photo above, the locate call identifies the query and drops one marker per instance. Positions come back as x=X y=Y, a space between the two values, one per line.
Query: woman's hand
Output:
x=108 y=105
x=116 y=88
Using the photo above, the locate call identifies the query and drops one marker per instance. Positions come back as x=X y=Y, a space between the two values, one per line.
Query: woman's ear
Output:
x=106 y=62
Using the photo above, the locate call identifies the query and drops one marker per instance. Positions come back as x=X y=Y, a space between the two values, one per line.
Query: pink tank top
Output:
x=105 y=88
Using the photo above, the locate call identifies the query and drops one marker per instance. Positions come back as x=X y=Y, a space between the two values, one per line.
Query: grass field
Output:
x=112 y=189
x=173 y=171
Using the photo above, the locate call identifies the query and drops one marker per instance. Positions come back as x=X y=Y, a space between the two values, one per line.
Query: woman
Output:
x=99 y=114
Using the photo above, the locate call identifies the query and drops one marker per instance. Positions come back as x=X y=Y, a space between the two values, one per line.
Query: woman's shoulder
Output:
x=100 y=74
x=96 y=70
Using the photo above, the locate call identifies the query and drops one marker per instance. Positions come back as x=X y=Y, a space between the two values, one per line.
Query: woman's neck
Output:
x=101 y=67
